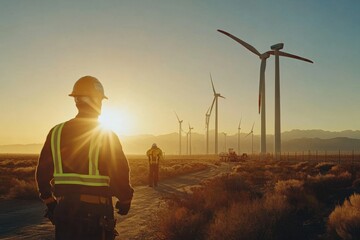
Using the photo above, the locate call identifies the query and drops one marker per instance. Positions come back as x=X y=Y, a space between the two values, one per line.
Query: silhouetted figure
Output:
x=80 y=168
x=154 y=155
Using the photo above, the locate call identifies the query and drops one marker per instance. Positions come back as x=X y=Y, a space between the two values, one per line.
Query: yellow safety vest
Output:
x=93 y=178
x=154 y=155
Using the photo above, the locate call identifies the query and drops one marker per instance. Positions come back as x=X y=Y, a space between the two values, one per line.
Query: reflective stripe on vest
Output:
x=93 y=178
x=154 y=155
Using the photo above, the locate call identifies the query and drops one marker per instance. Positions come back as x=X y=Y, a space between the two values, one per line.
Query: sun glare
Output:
x=116 y=120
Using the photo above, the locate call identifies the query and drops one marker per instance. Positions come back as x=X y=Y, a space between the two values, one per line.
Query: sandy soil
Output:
x=23 y=219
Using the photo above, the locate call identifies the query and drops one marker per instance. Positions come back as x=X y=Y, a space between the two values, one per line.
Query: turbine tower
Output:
x=239 y=128
x=252 y=139
x=189 y=138
x=180 y=130
x=275 y=51
x=207 y=121
x=216 y=96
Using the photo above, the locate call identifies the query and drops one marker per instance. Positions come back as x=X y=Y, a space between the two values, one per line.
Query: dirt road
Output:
x=134 y=226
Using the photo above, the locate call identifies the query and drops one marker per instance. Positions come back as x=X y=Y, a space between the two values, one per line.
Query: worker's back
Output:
x=83 y=166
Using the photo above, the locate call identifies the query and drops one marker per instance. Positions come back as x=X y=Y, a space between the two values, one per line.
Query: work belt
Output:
x=92 y=199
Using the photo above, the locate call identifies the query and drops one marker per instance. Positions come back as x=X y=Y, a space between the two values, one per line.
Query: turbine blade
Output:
x=252 y=127
x=262 y=80
x=245 y=44
x=177 y=116
x=212 y=84
x=248 y=134
x=212 y=105
x=207 y=112
x=240 y=123
x=285 y=54
x=222 y=96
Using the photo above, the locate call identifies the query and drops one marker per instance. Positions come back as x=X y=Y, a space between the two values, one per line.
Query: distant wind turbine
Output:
x=275 y=51
x=239 y=128
x=188 y=139
x=252 y=139
x=215 y=100
x=180 y=130
x=207 y=122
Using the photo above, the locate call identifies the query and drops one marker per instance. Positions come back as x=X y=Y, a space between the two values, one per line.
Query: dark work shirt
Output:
x=74 y=148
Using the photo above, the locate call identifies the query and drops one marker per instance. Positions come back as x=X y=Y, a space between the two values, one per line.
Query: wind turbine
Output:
x=207 y=121
x=252 y=139
x=216 y=96
x=239 y=128
x=188 y=139
x=180 y=130
x=275 y=51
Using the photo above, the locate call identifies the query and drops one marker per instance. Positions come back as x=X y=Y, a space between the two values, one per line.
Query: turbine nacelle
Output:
x=277 y=46
x=218 y=95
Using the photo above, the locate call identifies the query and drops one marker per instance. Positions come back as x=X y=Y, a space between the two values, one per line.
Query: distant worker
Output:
x=80 y=168
x=154 y=155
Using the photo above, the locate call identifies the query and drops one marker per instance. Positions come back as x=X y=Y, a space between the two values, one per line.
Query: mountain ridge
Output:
x=294 y=140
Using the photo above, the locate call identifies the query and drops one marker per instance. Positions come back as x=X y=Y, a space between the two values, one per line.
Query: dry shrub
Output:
x=289 y=187
x=182 y=224
x=267 y=218
x=188 y=216
x=186 y=167
x=237 y=168
x=344 y=221
x=24 y=172
x=5 y=185
x=330 y=187
x=336 y=169
x=17 y=163
x=301 y=166
x=324 y=167
x=176 y=167
x=356 y=185
x=7 y=163
x=217 y=163
x=22 y=190
x=293 y=191
x=330 y=180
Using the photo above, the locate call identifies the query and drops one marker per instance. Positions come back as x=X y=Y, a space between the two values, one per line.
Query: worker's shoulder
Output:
x=108 y=133
x=61 y=124
x=110 y=136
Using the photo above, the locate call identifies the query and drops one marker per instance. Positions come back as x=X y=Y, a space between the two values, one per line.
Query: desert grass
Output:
x=263 y=200
x=344 y=221
x=17 y=172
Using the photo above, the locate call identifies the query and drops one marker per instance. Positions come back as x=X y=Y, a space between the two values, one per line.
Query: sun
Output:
x=117 y=120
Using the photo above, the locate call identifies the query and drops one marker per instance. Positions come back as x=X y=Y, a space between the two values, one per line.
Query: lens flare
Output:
x=117 y=120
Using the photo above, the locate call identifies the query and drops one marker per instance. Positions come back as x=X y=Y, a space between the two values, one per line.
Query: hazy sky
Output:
x=154 y=58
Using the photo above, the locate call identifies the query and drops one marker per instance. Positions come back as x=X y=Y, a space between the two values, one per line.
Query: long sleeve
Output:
x=119 y=171
x=44 y=170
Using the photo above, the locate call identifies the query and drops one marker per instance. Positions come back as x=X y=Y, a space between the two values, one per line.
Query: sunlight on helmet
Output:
x=116 y=120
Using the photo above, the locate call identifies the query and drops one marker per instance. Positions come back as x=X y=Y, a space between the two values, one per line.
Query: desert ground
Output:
x=21 y=213
x=200 y=197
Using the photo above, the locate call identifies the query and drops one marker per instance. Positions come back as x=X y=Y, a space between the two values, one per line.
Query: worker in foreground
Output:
x=154 y=155
x=80 y=168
